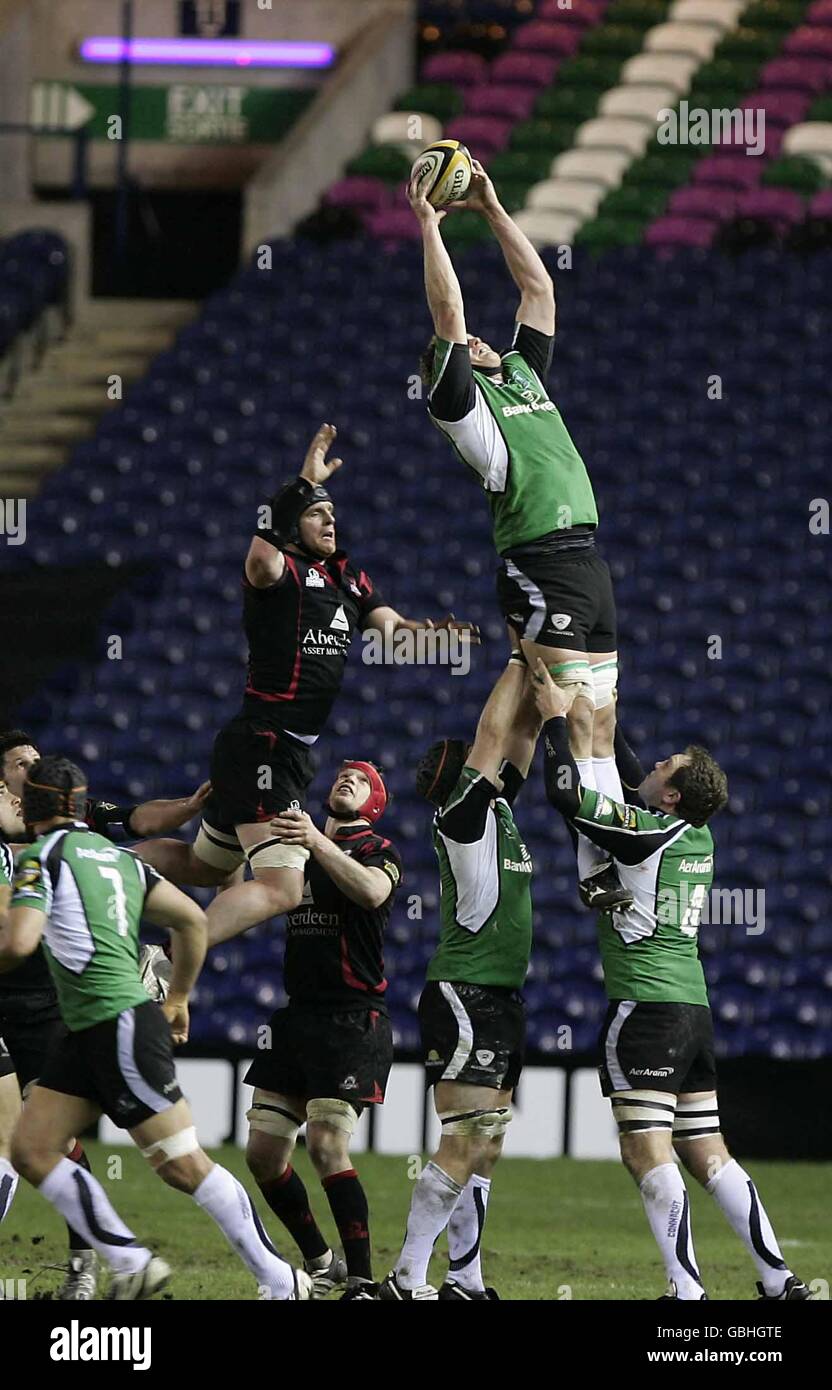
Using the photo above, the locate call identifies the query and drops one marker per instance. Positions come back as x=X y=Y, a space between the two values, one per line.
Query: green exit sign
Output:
x=184 y=113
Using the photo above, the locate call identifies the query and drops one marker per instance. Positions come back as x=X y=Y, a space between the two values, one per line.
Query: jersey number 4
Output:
x=689 y=924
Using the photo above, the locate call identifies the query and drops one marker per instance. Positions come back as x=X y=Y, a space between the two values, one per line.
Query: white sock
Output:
x=465 y=1234
x=737 y=1198
x=8 y=1187
x=227 y=1201
x=434 y=1198
x=666 y=1203
x=589 y=855
x=607 y=779
x=84 y=1205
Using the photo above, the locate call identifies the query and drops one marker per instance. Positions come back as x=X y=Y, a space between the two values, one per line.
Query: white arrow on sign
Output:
x=55 y=106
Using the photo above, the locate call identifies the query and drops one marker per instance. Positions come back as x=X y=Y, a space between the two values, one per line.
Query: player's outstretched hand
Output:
x=481 y=195
x=548 y=697
x=452 y=624
x=424 y=210
x=199 y=798
x=317 y=468
x=175 y=1009
x=296 y=828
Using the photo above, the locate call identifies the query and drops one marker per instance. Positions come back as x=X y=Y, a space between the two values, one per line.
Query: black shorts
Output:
x=31 y=1025
x=256 y=771
x=124 y=1065
x=649 y=1046
x=473 y=1034
x=316 y=1054
x=564 y=600
x=6 y=1063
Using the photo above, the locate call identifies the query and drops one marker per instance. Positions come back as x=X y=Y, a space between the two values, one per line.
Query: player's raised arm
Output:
x=497 y=720
x=442 y=287
x=387 y=619
x=278 y=518
x=537 y=292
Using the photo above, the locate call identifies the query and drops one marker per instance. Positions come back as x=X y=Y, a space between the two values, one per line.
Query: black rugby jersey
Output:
x=299 y=632
x=32 y=975
x=334 y=947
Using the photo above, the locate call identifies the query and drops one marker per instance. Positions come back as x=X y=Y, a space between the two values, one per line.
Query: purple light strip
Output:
x=234 y=53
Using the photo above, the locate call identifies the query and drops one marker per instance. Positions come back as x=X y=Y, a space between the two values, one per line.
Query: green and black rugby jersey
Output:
x=32 y=975
x=92 y=894
x=513 y=437
x=485 y=871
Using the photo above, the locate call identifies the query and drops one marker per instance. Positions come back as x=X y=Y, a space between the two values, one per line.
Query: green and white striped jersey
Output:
x=485 y=871
x=650 y=950
x=514 y=439
x=92 y=894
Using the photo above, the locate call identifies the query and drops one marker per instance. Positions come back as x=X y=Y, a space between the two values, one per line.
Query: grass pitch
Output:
x=556 y=1228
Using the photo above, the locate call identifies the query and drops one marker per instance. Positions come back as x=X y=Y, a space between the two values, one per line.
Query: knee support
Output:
x=268 y=1116
x=696 y=1119
x=218 y=849
x=642 y=1111
x=604 y=682
x=574 y=677
x=175 y=1146
x=338 y=1114
x=483 y=1124
x=274 y=854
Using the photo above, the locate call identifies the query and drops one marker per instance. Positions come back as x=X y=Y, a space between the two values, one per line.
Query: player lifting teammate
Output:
x=331 y=1050
x=471 y=1012
x=30 y=1018
x=657 y=1049
x=303 y=602
x=86 y=897
x=552 y=585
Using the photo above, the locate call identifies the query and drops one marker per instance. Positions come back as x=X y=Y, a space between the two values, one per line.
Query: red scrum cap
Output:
x=376 y=802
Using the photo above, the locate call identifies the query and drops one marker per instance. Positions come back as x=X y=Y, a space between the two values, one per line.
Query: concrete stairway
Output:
x=61 y=401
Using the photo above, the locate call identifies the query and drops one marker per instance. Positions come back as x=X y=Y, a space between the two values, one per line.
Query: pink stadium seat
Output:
x=462 y=68
x=821 y=204
x=525 y=69
x=563 y=39
x=714 y=204
x=782 y=206
x=680 y=231
x=393 y=224
x=586 y=12
x=357 y=191
x=819 y=13
x=810 y=41
x=484 y=135
x=513 y=103
x=782 y=108
x=798 y=74
x=737 y=171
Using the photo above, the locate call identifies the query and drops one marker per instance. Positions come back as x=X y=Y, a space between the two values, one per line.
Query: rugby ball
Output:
x=442 y=172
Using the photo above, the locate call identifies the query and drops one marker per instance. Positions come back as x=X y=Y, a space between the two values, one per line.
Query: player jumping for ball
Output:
x=86 y=897
x=303 y=602
x=657 y=1043
x=471 y=1012
x=494 y=409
